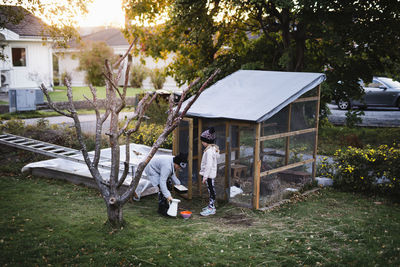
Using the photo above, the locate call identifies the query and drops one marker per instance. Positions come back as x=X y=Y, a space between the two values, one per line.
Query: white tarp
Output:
x=253 y=95
x=137 y=154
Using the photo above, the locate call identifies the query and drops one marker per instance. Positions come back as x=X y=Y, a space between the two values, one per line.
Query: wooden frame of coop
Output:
x=257 y=133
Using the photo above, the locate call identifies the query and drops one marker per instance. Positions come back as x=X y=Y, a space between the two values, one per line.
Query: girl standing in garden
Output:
x=209 y=167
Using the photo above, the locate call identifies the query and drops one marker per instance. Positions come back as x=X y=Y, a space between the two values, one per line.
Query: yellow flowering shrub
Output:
x=366 y=169
x=148 y=134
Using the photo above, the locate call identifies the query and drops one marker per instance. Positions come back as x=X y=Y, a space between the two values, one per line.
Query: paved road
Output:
x=374 y=117
x=88 y=122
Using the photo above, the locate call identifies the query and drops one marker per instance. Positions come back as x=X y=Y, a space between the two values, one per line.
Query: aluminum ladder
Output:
x=52 y=150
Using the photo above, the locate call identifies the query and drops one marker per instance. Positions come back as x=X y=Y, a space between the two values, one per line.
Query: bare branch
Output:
x=99 y=127
x=126 y=82
x=51 y=103
x=73 y=114
x=94 y=92
x=124 y=56
x=141 y=115
x=134 y=116
x=92 y=103
x=184 y=93
x=109 y=79
x=200 y=91
x=126 y=162
x=119 y=72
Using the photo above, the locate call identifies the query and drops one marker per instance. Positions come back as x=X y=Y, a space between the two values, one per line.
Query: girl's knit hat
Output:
x=208 y=136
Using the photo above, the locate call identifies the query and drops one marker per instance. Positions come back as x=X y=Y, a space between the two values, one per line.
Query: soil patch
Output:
x=238 y=219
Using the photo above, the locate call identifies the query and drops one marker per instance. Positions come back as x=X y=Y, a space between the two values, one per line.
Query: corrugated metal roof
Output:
x=29 y=24
x=252 y=95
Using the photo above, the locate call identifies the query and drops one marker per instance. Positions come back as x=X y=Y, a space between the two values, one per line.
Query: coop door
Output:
x=240 y=164
x=183 y=143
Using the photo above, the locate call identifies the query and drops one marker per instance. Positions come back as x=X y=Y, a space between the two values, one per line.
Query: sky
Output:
x=103 y=13
x=100 y=12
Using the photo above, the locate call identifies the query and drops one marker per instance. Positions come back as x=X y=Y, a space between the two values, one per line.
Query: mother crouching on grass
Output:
x=161 y=172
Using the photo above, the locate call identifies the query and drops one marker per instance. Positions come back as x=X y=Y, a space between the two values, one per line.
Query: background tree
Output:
x=91 y=60
x=345 y=39
x=113 y=194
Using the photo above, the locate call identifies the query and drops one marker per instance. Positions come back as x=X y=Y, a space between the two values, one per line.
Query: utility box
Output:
x=39 y=99
x=24 y=99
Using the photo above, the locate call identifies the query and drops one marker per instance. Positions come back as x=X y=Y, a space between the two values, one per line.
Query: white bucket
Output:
x=173 y=207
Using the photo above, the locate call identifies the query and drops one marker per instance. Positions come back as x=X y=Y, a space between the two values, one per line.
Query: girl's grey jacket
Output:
x=158 y=170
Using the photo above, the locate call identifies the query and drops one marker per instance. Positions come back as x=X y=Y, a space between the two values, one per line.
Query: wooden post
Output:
x=237 y=153
x=227 y=161
x=200 y=155
x=190 y=159
x=287 y=150
x=314 y=167
x=261 y=142
x=256 y=168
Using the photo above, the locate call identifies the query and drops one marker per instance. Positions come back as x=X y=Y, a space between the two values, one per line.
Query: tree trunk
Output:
x=114 y=213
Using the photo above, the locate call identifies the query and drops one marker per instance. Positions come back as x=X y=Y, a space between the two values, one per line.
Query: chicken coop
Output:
x=267 y=128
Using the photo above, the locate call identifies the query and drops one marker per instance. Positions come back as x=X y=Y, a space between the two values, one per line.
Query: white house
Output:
x=68 y=62
x=27 y=50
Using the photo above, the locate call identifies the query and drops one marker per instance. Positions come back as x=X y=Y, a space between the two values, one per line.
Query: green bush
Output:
x=12 y=126
x=148 y=134
x=138 y=73
x=359 y=169
x=158 y=78
x=157 y=111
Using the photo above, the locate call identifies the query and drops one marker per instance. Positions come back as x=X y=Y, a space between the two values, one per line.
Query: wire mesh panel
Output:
x=287 y=147
x=303 y=115
x=241 y=165
x=276 y=124
x=195 y=170
x=313 y=92
x=273 y=154
x=283 y=184
x=301 y=147
x=183 y=147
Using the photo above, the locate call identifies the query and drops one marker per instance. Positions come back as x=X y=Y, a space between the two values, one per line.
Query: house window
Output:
x=18 y=57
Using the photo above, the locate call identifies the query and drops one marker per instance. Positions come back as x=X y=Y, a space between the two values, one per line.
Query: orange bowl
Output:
x=186 y=214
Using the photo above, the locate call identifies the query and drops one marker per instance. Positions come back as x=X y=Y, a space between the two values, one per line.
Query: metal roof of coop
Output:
x=253 y=95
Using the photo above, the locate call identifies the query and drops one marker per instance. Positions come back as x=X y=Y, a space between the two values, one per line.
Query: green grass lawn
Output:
x=50 y=222
x=60 y=93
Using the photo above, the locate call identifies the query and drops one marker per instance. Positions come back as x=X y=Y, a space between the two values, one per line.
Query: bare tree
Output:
x=113 y=194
